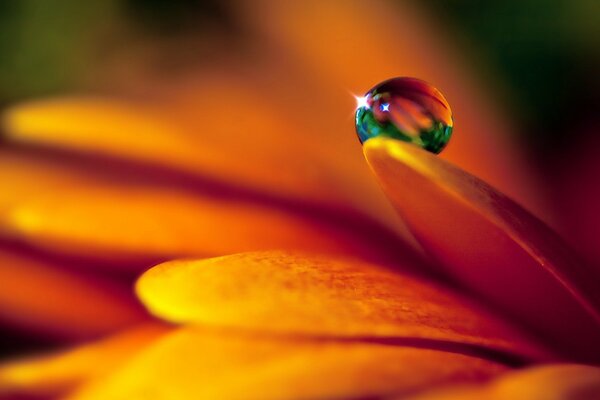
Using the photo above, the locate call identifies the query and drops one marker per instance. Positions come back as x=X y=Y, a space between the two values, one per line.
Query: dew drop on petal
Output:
x=406 y=109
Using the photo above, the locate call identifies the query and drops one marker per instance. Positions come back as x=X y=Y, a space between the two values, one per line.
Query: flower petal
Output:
x=143 y=133
x=491 y=245
x=57 y=374
x=129 y=219
x=196 y=364
x=283 y=293
x=44 y=297
x=551 y=382
x=252 y=150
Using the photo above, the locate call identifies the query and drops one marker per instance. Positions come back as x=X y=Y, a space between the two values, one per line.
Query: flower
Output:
x=282 y=268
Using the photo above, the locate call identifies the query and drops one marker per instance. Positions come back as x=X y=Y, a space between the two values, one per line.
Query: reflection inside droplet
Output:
x=406 y=109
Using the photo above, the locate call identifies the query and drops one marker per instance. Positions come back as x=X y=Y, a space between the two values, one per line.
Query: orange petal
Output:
x=87 y=213
x=245 y=145
x=279 y=292
x=491 y=245
x=143 y=133
x=44 y=297
x=552 y=382
x=57 y=374
x=354 y=46
x=102 y=126
x=191 y=364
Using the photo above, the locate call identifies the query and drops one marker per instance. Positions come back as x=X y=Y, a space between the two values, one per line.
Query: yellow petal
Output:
x=552 y=382
x=126 y=218
x=59 y=373
x=191 y=364
x=44 y=297
x=280 y=292
x=491 y=245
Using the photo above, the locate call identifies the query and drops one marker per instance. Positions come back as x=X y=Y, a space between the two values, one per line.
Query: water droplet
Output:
x=406 y=109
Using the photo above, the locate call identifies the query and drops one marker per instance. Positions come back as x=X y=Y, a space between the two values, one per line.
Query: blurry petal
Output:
x=239 y=141
x=57 y=374
x=552 y=382
x=301 y=295
x=109 y=127
x=191 y=364
x=352 y=46
x=87 y=213
x=141 y=132
x=43 y=297
x=284 y=129
x=491 y=245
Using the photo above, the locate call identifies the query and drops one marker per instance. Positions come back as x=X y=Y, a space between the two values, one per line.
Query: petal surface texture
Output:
x=283 y=293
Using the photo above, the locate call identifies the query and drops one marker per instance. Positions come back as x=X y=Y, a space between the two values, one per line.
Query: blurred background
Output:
x=539 y=57
x=535 y=62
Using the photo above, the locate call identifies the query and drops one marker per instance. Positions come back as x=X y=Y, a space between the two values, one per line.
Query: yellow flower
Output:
x=282 y=269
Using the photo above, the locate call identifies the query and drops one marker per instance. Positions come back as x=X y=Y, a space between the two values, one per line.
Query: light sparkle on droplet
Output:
x=361 y=102
x=406 y=109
